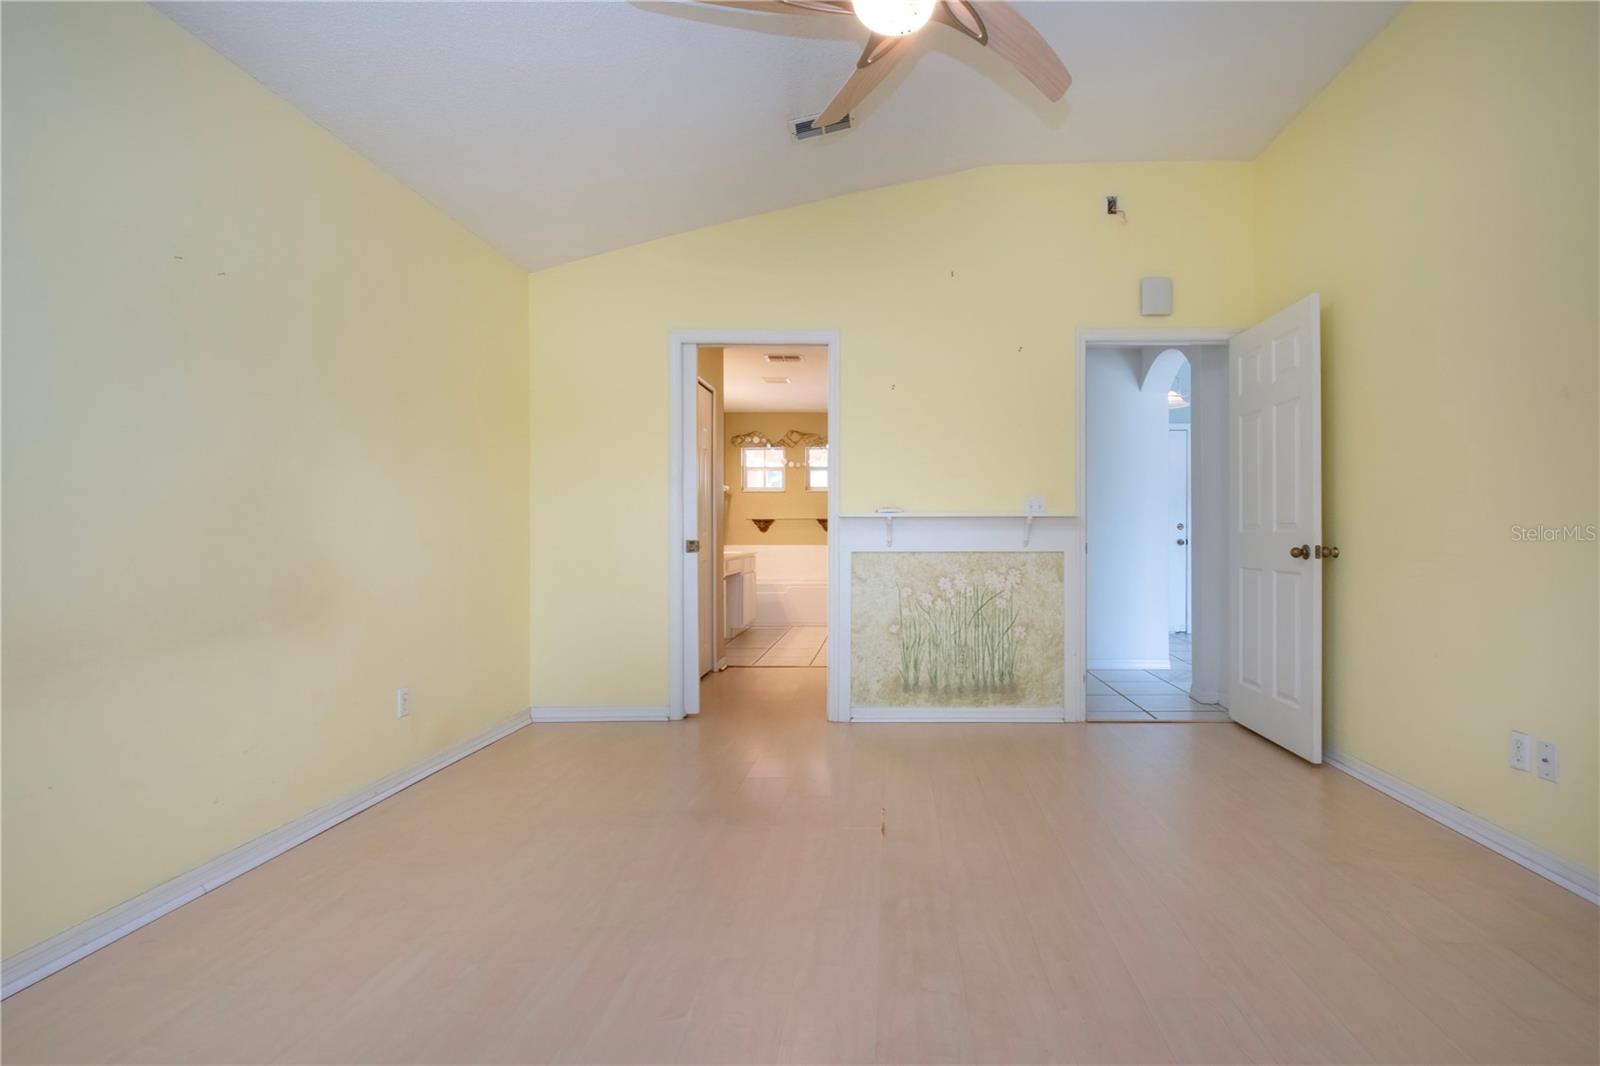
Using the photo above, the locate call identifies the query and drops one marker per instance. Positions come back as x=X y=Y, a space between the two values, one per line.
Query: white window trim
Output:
x=745 y=468
x=825 y=467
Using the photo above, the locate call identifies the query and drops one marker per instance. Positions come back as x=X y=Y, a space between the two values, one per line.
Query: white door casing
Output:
x=1275 y=508
x=704 y=408
x=1179 y=529
x=683 y=509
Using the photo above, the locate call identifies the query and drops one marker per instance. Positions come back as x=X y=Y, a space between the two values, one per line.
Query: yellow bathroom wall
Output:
x=796 y=508
x=957 y=302
x=265 y=462
x=1442 y=194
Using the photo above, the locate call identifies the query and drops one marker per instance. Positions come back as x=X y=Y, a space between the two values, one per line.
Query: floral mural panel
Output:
x=956 y=629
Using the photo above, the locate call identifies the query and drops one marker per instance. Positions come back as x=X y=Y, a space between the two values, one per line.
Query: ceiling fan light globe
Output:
x=894 y=18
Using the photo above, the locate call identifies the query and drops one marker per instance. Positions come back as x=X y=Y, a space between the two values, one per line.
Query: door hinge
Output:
x=691 y=546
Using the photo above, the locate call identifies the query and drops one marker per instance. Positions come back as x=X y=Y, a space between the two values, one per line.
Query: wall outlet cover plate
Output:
x=1521 y=751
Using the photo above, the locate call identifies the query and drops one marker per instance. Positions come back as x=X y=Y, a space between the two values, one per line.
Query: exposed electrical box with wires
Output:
x=807 y=127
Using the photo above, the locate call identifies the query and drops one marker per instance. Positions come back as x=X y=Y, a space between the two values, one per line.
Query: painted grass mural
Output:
x=956 y=629
x=961 y=635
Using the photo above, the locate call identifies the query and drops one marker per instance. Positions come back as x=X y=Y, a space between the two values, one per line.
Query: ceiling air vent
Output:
x=806 y=127
x=782 y=357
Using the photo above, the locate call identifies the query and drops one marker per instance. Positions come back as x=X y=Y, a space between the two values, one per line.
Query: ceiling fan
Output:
x=994 y=24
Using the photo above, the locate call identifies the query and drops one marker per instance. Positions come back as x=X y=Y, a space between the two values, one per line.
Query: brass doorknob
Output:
x=1300 y=551
x=1327 y=551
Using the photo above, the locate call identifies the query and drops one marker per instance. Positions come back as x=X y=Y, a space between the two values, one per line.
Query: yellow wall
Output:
x=794 y=502
x=1441 y=195
x=957 y=301
x=265 y=461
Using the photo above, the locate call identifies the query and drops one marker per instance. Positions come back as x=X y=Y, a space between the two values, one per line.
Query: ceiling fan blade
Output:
x=999 y=27
x=788 y=7
x=877 y=59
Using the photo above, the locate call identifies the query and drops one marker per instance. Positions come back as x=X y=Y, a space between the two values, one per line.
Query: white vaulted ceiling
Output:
x=559 y=130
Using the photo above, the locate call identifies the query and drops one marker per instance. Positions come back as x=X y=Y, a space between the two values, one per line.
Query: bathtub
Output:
x=791 y=583
x=791 y=603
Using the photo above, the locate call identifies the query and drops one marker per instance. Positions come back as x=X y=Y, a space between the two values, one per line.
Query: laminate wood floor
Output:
x=758 y=886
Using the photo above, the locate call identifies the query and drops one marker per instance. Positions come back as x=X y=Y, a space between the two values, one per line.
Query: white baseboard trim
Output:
x=958 y=714
x=600 y=714
x=1130 y=664
x=1552 y=867
x=68 y=946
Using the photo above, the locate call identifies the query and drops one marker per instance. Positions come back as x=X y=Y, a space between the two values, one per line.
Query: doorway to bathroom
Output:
x=755 y=478
x=772 y=593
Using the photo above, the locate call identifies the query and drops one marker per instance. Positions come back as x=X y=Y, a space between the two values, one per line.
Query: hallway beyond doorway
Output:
x=1150 y=695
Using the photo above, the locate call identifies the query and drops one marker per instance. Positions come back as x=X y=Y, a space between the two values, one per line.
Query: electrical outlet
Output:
x=1521 y=751
x=1033 y=505
x=1549 y=765
x=402 y=702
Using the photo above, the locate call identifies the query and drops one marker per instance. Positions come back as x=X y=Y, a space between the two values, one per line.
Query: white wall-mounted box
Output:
x=1155 y=296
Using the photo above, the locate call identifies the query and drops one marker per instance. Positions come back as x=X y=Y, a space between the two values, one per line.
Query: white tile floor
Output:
x=1150 y=695
x=780 y=646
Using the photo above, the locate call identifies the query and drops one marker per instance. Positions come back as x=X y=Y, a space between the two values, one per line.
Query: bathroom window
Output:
x=817 y=469
x=763 y=469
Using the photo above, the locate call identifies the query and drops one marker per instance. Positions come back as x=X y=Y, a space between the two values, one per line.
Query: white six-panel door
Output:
x=1275 y=513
